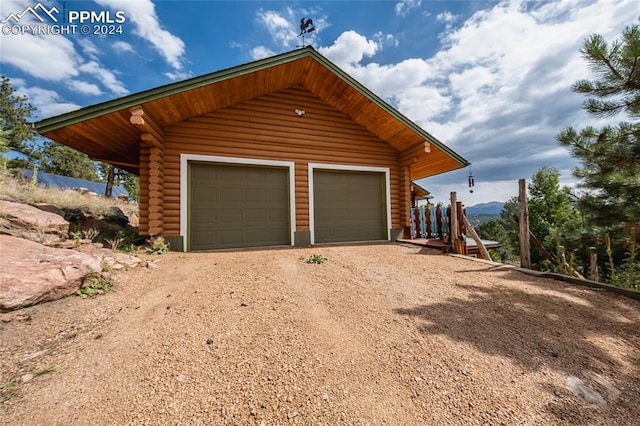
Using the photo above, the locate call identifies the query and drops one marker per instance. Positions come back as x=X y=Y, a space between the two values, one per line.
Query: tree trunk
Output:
x=110 y=178
x=523 y=222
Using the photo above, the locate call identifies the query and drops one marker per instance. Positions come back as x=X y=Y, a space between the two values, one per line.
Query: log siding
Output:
x=268 y=128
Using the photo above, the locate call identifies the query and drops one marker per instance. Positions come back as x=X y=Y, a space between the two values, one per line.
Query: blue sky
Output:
x=490 y=79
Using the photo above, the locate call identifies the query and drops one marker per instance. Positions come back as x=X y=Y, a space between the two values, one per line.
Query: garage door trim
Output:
x=349 y=168
x=184 y=190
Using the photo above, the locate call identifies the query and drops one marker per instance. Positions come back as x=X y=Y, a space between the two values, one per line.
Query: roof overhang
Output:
x=419 y=191
x=105 y=131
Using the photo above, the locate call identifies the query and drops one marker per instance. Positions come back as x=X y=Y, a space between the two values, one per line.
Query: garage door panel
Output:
x=226 y=215
x=204 y=216
x=228 y=195
x=255 y=236
x=272 y=214
x=203 y=237
x=238 y=206
x=349 y=206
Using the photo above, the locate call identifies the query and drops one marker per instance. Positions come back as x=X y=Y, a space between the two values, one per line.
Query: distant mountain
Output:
x=492 y=208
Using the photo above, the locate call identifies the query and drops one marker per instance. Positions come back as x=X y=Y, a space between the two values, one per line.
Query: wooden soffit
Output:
x=104 y=131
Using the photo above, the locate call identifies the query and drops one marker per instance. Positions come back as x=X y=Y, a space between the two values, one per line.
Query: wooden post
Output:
x=566 y=266
x=482 y=250
x=593 y=260
x=523 y=222
x=563 y=256
x=453 y=224
x=416 y=223
x=462 y=244
x=543 y=250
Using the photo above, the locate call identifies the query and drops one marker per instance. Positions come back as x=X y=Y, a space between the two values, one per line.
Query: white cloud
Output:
x=403 y=7
x=47 y=57
x=106 y=77
x=499 y=89
x=83 y=87
x=386 y=39
x=425 y=102
x=284 y=27
x=446 y=17
x=122 y=46
x=281 y=29
x=261 y=52
x=88 y=48
x=179 y=75
x=47 y=102
x=142 y=13
x=349 y=49
x=55 y=58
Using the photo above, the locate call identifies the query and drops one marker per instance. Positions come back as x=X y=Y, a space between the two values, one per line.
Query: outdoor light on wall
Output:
x=299 y=112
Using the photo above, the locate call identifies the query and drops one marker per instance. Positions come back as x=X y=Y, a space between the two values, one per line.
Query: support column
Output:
x=156 y=191
x=406 y=158
x=151 y=147
x=405 y=200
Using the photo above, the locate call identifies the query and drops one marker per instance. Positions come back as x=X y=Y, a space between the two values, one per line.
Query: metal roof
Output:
x=66 y=182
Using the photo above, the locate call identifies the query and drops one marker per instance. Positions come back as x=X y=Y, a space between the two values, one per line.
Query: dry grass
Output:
x=67 y=199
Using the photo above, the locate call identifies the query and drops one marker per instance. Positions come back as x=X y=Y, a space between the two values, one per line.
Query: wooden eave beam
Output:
x=411 y=154
x=116 y=163
x=151 y=140
x=151 y=132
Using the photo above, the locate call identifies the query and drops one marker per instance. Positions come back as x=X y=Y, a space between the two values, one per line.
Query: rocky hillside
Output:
x=49 y=251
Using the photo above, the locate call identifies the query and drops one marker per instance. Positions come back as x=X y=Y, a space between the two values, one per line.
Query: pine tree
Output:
x=15 y=112
x=610 y=156
x=119 y=177
x=65 y=161
x=552 y=218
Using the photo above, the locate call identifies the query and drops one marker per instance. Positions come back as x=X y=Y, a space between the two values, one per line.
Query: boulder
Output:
x=33 y=219
x=134 y=220
x=31 y=273
x=114 y=260
x=50 y=208
x=117 y=217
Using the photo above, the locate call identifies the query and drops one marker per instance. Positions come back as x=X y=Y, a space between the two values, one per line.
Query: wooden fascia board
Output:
x=87 y=113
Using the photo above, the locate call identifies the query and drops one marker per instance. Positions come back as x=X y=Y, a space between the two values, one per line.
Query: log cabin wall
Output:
x=143 y=201
x=267 y=127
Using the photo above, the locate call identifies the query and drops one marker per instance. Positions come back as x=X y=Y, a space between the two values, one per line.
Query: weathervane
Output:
x=306 y=26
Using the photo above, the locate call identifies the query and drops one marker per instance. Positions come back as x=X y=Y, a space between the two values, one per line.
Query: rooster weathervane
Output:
x=306 y=26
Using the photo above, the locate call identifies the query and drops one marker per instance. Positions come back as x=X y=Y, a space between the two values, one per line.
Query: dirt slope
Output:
x=380 y=334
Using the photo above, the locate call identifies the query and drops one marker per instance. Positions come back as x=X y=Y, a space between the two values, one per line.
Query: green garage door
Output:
x=349 y=206
x=237 y=206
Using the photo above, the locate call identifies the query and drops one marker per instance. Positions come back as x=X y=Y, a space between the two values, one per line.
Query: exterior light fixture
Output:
x=299 y=112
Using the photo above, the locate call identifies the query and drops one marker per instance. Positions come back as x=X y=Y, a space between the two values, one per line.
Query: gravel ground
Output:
x=379 y=334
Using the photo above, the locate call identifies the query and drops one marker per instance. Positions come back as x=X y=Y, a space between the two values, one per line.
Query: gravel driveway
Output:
x=379 y=334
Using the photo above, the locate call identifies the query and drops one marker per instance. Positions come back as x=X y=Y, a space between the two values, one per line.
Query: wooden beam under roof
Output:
x=146 y=124
x=414 y=152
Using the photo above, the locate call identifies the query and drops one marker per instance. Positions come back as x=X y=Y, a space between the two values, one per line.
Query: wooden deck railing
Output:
x=429 y=222
x=435 y=222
